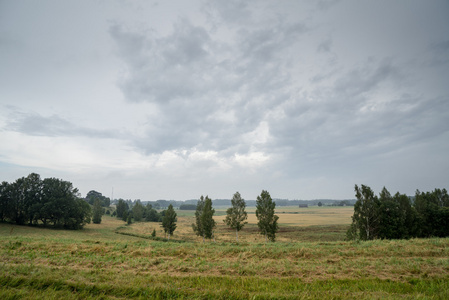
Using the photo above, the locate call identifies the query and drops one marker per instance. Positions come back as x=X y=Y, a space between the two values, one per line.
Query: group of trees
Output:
x=204 y=224
x=50 y=201
x=98 y=202
x=93 y=196
x=147 y=213
x=236 y=216
x=138 y=212
x=399 y=216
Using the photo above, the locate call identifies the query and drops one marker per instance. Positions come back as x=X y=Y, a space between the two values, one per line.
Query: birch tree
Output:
x=267 y=220
x=236 y=215
x=365 y=221
x=204 y=223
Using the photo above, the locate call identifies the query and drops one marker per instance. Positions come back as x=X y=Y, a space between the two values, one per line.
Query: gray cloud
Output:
x=325 y=46
x=35 y=124
x=208 y=92
x=439 y=53
x=358 y=115
x=213 y=92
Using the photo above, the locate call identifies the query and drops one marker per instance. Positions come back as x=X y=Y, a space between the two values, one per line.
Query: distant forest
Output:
x=191 y=204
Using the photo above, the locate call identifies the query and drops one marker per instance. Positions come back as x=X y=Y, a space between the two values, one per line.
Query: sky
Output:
x=177 y=99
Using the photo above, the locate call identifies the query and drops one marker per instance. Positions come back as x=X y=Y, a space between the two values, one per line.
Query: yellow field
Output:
x=312 y=216
x=295 y=224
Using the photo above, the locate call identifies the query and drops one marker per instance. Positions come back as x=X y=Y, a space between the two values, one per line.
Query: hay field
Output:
x=98 y=263
x=311 y=216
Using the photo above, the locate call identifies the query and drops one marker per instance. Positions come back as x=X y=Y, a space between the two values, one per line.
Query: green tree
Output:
x=30 y=199
x=18 y=201
x=84 y=213
x=267 y=220
x=426 y=207
x=204 y=222
x=389 y=217
x=320 y=204
x=187 y=207
x=97 y=212
x=169 y=221
x=151 y=215
x=432 y=209
x=198 y=226
x=366 y=218
x=398 y=219
x=62 y=205
x=122 y=208
x=236 y=215
x=138 y=211
x=5 y=201
x=33 y=197
x=207 y=219
x=93 y=195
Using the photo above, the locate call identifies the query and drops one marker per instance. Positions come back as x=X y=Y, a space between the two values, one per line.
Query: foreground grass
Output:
x=97 y=263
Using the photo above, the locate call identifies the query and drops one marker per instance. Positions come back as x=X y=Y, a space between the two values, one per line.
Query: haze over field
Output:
x=174 y=99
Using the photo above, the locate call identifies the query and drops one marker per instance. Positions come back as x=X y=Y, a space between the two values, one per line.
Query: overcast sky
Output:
x=178 y=99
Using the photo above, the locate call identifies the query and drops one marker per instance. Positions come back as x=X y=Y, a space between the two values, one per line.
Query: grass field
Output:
x=310 y=260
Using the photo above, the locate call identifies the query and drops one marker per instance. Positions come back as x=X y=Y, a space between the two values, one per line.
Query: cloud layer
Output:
x=305 y=99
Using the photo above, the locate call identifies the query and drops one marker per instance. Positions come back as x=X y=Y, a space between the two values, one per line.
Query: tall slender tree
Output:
x=366 y=219
x=122 y=209
x=138 y=210
x=198 y=226
x=169 y=221
x=236 y=215
x=267 y=223
x=5 y=201
x=207 y=219
x=204 y=223
x=97 y=212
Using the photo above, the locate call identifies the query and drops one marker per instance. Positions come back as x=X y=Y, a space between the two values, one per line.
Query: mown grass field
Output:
x=310 y=260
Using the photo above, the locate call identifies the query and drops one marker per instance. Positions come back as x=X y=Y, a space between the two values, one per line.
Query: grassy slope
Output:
x=96 y=262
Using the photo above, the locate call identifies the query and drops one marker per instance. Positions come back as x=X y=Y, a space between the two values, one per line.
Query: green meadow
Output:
x=309 y=260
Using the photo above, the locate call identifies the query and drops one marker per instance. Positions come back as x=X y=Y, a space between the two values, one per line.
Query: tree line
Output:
x=204 y=225
x=399 y=216
x=50 y=201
